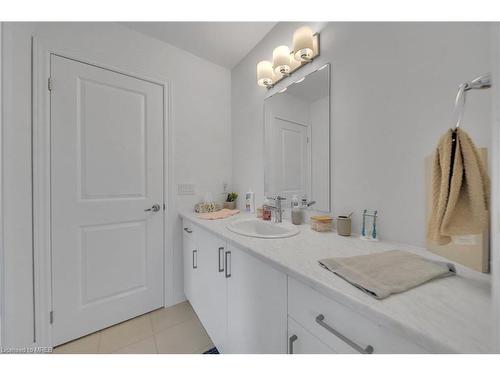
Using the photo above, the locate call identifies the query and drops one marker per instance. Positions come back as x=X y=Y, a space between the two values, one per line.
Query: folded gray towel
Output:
x=389 y=272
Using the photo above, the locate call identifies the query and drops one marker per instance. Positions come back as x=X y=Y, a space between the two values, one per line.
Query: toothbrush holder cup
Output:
x=344 y=226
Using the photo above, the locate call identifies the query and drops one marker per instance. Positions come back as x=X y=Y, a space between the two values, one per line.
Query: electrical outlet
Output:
x=186 y=189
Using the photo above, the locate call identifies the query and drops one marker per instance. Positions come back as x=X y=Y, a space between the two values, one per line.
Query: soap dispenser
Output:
x=297 y=214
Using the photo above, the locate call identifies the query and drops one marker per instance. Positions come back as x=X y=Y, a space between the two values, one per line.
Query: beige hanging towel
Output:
x=460 y=189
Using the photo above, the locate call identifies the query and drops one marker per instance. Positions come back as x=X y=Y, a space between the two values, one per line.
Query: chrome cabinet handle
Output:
x=320 y=319
x=195 y=259
x=154 y=208
x=227 y=256
x=291 y=340
x=221 y=262
x=188 y=230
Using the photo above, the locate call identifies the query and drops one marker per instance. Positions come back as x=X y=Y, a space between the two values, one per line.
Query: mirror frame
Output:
x=330 y=143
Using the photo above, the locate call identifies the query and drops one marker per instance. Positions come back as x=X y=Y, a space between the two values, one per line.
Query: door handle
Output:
x=320 y=319
x=221 y=262
x=188 y=230
x=195 y=259
x=291 y=340
x=154 y=208
x=227 y=259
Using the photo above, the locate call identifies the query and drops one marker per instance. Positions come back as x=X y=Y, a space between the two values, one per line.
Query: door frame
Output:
x=41 y=183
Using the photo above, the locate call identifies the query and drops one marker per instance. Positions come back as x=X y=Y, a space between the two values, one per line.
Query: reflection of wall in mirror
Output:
x=320 y=157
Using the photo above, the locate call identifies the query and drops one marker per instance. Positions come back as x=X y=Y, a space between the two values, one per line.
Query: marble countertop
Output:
x=450 y=315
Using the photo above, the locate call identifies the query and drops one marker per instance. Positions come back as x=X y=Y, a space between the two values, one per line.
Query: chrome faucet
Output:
x=278 y=216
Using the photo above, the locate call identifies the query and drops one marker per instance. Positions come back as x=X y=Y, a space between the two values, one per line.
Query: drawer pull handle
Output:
x=195 y=259
x=221 y=261
x=188 y=230
x=320 y=319
x=291 y=340
x=227 y=258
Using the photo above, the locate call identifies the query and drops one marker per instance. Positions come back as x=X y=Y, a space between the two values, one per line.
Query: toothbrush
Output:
x=363 y=230
x=374 y=230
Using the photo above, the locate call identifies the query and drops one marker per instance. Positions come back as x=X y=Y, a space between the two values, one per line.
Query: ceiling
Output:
x=223 y=43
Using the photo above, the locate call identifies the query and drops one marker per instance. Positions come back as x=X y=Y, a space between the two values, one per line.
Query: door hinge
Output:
x=49 y=84
x=51 y=317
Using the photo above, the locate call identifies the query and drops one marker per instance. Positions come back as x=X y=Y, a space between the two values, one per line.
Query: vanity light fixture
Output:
x=265 y=73
x=303 y=44
x=281 y=60
x=285 y=62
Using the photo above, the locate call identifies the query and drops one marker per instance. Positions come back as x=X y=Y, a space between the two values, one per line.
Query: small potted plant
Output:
x=230 y=202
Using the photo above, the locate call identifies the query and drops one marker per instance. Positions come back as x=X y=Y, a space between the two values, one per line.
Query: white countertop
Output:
x=452 y=314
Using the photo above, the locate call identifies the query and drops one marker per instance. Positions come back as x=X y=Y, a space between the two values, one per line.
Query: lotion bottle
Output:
x=297 y=215
x=250 y=201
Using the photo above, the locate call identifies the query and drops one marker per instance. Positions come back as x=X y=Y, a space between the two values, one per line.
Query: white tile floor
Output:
x=174 y=330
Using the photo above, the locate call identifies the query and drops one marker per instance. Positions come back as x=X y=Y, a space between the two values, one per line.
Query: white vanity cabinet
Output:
x=301 y=341
x=257 y=306
x=240 y=300
x=189 y=254
x=342 y=329
x=212 y=300
x=248 y=306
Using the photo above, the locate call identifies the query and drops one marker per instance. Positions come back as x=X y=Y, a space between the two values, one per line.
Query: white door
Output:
x=106 y=170
x=291 y=147
x=256 y=306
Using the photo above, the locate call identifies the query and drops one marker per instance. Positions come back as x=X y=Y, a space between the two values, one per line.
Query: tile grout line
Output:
x=134 y=342
x=154 y=334
x=99 y=343
x=195 y=317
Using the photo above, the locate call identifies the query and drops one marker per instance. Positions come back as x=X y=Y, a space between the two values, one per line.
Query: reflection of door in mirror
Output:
x=292 y=156
x=297 y=140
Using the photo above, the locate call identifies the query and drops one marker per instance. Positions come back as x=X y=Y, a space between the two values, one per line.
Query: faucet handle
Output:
x=277 y=198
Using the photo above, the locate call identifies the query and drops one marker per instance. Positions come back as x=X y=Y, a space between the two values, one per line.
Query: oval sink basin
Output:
x=262 y=229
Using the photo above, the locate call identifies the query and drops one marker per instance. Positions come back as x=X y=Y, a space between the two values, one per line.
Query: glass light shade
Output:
x=303 y=44
x=265 y=73
x=281 y=59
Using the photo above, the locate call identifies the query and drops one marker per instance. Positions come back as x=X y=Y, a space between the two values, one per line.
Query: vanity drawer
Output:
x=339 y=327
x=300 y=341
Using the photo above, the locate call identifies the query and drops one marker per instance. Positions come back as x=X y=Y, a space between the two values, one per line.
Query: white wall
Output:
x=200 y=105
x=495 y=168
x=393 y=87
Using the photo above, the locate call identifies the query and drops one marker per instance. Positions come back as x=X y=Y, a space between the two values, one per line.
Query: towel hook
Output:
x=481 y=82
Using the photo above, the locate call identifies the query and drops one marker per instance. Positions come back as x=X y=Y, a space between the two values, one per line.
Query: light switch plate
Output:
x=185 y=189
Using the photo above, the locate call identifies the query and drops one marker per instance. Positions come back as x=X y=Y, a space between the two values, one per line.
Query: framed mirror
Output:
x=297 y=140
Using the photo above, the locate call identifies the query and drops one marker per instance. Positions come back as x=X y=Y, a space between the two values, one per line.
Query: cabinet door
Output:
x=257 y=308
x=189 y=255
x=212 y=288
x=301 y=341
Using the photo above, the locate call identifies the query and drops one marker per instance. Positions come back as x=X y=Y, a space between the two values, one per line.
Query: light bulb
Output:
x=303 y=44
x=281 y=60
x=264 y=73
